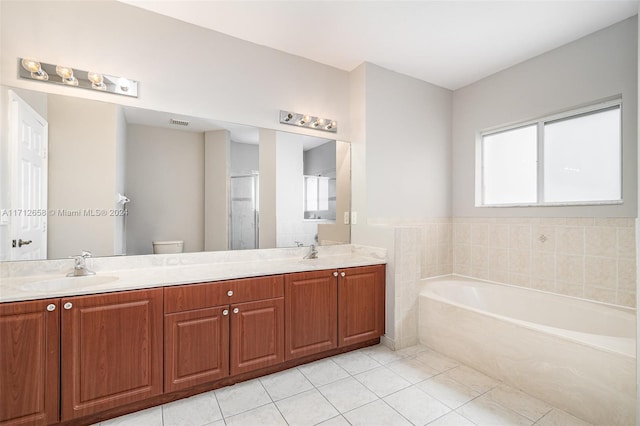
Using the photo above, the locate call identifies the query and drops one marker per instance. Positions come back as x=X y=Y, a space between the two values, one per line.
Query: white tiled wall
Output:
x=592 y=258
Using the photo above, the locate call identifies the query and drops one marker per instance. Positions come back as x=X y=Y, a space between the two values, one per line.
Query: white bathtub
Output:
x=575 y=354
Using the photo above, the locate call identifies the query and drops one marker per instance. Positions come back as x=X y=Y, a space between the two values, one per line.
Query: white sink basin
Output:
x=68 y=283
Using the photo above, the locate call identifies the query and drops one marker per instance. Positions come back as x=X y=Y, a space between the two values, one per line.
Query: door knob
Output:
x=342 y=274
x=51 y=307
x=230 y=293
x=335 y=274
x=236 y=310
x=225 y=312
x=68 y=305
x=20 y=243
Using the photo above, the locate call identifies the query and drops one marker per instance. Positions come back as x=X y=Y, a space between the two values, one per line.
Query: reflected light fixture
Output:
x=34 y=70
x=309 y=121
x=66 y=73
x=97 y=81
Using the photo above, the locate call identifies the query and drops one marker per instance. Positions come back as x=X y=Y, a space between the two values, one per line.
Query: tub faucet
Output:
x=313 y=252
x=80 y=269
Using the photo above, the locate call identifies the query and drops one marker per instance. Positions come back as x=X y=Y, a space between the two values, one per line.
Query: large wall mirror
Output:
x=80 y=174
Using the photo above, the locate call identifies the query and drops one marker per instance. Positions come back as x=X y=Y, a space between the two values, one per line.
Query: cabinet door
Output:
x=360 y=304
x=111 y=350
x=311 y=304
x=196 y=347
x=29 y=362
x=257 y=335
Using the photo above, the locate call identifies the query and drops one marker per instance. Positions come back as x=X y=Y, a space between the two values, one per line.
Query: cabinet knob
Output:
x=236 y=310
x=342 y=274
x=68 y=305
x=335 y=274
x=225 y=312
x=230 y=293
x=51 y=307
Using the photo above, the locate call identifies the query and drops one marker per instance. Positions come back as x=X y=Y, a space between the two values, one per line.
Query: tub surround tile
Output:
x=570 y=240
x=560 y=255
x=462 y=233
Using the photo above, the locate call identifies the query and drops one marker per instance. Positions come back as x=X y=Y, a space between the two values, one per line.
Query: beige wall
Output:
x=267 y=190
x=165 y=182
x=81 y=132
x=217 y=157
x=598 y=66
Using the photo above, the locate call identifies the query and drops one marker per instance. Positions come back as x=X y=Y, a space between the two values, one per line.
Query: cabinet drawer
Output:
x=198 y=296
x=250 y=289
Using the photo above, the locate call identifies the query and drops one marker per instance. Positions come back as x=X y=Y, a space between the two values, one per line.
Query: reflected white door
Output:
x=28 y=144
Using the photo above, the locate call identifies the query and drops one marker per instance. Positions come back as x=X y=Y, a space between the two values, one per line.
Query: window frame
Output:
x=540 y=123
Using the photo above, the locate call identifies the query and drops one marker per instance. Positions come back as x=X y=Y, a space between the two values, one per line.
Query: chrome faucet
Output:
x=80 y=269
x=313 y=252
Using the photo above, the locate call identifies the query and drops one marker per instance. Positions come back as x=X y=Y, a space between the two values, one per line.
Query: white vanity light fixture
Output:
x=309 y=121
x=34 y=70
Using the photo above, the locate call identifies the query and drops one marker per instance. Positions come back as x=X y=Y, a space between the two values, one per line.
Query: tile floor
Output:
x=371 y=386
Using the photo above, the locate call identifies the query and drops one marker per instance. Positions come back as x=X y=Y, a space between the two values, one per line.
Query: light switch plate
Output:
x=346 y=218
x=354 y=218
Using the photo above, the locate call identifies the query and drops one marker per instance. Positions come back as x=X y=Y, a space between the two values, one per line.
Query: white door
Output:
x=28 y=146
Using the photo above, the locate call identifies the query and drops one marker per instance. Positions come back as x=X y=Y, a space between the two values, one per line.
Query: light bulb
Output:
x=123 y=84
x=35 y=69
x=97 y=81
x=320 y=121
x=30 y=65
x=64 y=72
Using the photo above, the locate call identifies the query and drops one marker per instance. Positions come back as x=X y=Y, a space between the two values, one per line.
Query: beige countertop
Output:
x=53 y=285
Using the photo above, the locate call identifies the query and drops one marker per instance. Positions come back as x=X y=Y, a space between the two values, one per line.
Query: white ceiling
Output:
x=449 y=43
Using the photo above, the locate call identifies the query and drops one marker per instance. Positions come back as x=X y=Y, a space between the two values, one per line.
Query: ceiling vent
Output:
x=179 y=122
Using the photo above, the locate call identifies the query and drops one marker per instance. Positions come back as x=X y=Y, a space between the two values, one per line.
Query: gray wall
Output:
x=595 y=67
x=165 y=182
x=244 y=158
x=321 y=159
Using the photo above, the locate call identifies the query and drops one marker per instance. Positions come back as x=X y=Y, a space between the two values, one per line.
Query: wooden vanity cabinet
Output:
x=29 y=362
x=217 y=329
x=311 y=313
x=333 y=308
x=361 y=293
x=111 y=350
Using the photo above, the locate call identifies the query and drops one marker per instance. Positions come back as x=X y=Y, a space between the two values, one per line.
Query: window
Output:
x=573 y=158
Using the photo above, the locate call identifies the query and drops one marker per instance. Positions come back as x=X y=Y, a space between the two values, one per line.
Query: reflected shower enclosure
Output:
x=243 y=212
